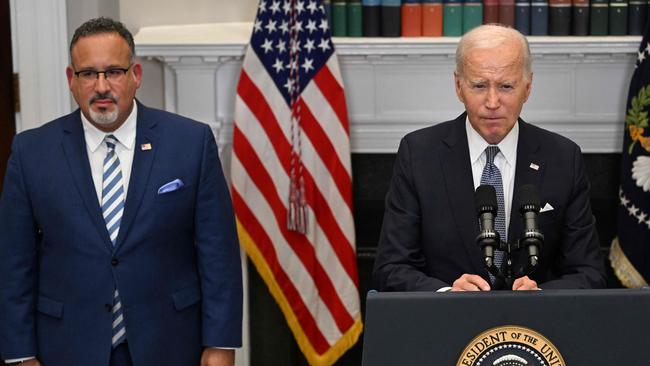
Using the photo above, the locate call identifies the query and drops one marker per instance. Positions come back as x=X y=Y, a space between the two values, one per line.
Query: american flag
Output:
x=291 y=176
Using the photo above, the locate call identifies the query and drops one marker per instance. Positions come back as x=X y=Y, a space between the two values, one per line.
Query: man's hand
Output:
x=469 y=282
x=218 y=357
x=524 y=283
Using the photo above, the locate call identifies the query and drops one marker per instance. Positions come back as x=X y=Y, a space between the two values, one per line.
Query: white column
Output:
x=40 y=56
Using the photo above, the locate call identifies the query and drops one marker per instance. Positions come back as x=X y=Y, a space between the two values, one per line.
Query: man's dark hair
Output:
x=103 y=25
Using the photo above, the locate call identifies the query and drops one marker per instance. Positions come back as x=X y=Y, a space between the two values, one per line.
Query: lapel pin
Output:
x=145 y=147
x=534 y=166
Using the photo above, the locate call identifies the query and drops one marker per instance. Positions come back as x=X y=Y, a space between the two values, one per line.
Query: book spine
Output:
x=327 y=4
x=559 y=14
x=339 y=18
x=637 y=17
x=490 y=11
x=452 y=18
x=371 y=16
x=539 y=18
x=391 y=15
x=522 y=16
x=411 y=18
x=580 y=21
x=432 y=18
x=618 y=17
x=507 y=12
x=355 y=27
x=472 y=14
x=598 y=17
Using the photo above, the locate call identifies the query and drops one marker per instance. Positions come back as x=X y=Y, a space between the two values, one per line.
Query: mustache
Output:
x=102 y=96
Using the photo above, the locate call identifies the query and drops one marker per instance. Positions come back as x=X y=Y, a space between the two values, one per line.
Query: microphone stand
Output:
x=531 y=240
x=508 y=274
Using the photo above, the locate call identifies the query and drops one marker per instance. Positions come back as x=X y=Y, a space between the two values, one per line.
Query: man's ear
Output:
x=137 y=73
x=457 y=81
x=69 y=73
x=529 y=86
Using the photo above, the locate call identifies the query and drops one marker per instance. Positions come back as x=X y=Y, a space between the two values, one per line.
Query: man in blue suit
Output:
x=117 y=238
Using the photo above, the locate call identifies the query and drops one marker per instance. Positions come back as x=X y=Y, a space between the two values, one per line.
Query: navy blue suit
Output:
x=428 y=237
x=176 y=261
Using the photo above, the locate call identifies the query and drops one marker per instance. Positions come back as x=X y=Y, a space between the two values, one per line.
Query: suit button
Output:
x=115 y=262
x=108 y=307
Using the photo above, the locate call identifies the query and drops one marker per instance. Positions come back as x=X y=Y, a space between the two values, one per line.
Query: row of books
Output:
x=434 y=18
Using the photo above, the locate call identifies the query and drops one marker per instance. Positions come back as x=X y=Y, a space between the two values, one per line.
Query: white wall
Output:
x=142 y=13
x=81 y=10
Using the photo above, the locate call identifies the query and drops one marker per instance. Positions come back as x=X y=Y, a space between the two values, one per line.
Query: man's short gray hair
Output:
x=490 y=36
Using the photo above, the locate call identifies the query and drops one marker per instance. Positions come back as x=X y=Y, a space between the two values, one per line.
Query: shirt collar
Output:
x=507 y=146
x=125 y=134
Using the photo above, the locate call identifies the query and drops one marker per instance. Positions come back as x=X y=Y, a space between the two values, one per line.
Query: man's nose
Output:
x=492 y=101
x=101 y=84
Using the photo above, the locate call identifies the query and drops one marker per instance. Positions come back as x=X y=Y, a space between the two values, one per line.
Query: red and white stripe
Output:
x=316 y=271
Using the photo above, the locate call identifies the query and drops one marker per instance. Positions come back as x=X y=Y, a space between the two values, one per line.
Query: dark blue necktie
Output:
x=492 y=176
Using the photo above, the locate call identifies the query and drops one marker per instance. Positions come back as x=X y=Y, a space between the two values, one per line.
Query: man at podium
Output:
x=428 y=240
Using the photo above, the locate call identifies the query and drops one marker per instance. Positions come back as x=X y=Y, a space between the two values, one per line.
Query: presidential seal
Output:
x=510 y=345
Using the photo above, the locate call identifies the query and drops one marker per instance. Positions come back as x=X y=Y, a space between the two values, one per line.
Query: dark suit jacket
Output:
x=428 y=237
x=176 y=261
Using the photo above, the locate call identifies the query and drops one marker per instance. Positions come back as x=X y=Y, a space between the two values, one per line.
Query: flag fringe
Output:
x=623 y=268
x=335 y=351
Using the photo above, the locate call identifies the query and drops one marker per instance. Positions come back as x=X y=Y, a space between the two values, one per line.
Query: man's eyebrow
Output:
x=511 y=82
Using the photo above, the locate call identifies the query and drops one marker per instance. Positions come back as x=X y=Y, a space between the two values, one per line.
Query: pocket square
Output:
x=547 y=207
x=171 y=186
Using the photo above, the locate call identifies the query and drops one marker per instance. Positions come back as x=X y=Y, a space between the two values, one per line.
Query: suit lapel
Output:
x=74 y=148
x=529 y=170
x=457 y=172
x=140 y=171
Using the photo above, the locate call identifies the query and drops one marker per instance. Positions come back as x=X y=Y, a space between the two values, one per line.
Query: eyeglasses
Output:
x=111 y=75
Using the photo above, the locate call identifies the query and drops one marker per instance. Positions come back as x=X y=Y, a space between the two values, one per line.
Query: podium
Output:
x=548 y=327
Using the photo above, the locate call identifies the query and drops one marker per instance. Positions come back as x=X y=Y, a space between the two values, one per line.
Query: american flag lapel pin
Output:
x=534 y=166
x=145 y=147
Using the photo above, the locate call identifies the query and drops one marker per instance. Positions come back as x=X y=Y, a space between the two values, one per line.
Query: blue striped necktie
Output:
x=492 y=176
x=112 y=210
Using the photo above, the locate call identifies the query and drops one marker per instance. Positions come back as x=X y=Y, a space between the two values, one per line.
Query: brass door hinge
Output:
x=16 y=93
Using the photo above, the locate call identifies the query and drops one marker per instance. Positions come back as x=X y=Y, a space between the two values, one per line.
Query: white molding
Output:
x=40 y=57
x=397 y=85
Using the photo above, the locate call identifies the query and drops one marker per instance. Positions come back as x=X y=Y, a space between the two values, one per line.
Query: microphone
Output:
x=485 y=201
x=532 y=238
